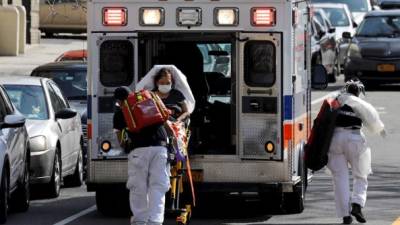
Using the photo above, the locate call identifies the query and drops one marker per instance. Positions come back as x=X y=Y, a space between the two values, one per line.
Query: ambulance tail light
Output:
x=263 y=17
x=226 y=16
x=152 y=16
x=115 y=16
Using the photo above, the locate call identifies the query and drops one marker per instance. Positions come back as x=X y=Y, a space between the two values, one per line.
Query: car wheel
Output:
x=76 y=179
x=21 y=197
x=56 y=177
x=4 y=196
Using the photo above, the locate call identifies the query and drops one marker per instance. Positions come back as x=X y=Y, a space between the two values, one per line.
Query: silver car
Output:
x=54 y=131
x=14 y=159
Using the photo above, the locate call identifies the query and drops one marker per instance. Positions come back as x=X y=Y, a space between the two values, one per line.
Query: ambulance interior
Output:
x=207 y=60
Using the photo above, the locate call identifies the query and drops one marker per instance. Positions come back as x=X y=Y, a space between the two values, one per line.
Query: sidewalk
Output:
x=47 y=51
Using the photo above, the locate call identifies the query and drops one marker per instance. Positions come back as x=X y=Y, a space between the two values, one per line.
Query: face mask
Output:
x=165 y=88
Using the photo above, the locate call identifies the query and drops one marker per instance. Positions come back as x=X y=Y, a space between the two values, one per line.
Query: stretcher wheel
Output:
x=185 y=216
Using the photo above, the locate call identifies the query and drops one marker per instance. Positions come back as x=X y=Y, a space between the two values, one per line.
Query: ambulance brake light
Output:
x=152 y=16
x=265 y=16
x=114 y=16
x=226 y=16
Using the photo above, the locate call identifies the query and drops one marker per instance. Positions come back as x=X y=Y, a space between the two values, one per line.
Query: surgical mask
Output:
x=165 y=88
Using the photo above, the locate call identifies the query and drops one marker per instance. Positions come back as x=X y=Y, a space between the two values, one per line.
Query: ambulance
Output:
x=248 y=65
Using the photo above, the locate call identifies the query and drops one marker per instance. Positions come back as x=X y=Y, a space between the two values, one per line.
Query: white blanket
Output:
x=180 y=83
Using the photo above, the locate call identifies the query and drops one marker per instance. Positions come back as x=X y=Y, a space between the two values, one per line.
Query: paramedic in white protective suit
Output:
x=348 y=147
x=148 y=168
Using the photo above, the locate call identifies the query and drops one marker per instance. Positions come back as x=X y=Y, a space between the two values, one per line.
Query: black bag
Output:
x=318 y=144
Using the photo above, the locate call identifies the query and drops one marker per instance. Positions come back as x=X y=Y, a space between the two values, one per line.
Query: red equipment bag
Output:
x=319 y=142
x=143 y=109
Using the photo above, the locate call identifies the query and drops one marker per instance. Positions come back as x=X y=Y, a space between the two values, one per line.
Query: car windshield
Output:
x=72 y=83
x=29 y=100
x=354 y=5
x=382 y=26
x=337 y=16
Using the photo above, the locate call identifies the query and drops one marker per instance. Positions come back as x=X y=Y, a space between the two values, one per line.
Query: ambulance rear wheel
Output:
x=112 y=202
x=293 y=202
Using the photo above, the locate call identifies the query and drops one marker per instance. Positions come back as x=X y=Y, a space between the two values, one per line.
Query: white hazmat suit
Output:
x=349 y=147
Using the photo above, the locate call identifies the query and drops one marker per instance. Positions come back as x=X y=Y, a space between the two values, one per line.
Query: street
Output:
x=76 y=206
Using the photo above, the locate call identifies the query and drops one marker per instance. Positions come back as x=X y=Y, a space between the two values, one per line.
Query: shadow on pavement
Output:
x=387 y=87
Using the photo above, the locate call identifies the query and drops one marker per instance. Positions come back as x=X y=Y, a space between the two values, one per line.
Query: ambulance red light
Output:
x=114 y=16
x=265 y=16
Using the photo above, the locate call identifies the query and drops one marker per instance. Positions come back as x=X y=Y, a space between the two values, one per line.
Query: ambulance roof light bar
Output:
x=226 y=16
x=263 y=16
x=115 y=16
x=152 y=16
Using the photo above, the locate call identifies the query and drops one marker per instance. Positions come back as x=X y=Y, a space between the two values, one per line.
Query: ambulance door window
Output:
x=260 y=66
x=116 y=63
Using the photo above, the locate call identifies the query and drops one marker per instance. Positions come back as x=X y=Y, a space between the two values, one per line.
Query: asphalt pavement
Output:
x=75 y=206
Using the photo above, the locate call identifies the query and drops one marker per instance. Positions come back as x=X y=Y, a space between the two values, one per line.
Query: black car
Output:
x=374 y=53
x=71 y=77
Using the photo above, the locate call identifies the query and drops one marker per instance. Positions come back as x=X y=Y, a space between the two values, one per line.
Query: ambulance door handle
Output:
x=255 y=105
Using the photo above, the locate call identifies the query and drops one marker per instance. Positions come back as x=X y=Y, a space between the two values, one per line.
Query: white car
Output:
x=14 y=159
x=340 y=18
x=358 y=8
x=54 y=129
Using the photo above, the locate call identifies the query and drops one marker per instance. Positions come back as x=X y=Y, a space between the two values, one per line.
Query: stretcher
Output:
x=180 y=168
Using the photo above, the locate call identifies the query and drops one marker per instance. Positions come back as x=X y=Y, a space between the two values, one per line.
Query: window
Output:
x=29 y=100
x=63 y=102
x=55 y=102
x=72 y=83
x=380 y=26
x=259 y=60
x=116 y=63
x=3 y=111
x=216 y=58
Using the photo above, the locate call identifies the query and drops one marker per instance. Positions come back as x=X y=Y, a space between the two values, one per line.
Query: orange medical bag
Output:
x=143 y=109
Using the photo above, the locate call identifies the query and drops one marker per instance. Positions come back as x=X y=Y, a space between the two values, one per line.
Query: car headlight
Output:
x=38 y=143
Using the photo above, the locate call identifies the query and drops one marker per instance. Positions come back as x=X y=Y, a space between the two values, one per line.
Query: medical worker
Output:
x=349 y=147
x=148 y=168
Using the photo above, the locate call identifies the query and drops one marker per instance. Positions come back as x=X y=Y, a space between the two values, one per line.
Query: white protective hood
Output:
x=364 y=110
x=180 y=83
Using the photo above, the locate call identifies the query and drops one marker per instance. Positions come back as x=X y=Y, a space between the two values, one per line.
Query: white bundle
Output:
x=180 y=83
x=365 y=111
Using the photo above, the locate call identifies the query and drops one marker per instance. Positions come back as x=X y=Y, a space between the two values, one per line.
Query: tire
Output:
x=112 y=202
x=271 y=201
x=21 y=197
x=56 y=177
x=4 y=196
x=76 y=179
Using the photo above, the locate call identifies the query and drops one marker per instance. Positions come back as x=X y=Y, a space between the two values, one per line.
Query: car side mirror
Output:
x=13 y=121
x=346 y=35
x=66 y=113
x=319 y=77
x=355 y=24
x=332 y=30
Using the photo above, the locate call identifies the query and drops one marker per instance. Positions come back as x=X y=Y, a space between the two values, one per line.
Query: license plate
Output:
x=197 y=176
x=386 y=68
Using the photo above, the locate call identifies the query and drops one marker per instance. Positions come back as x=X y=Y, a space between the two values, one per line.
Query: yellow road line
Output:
x=397 y=222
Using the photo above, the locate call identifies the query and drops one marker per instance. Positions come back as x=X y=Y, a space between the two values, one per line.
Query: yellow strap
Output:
x=130 y=112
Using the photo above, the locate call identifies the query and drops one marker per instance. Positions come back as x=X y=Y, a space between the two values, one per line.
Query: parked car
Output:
x=340 y=18
x=54 y=131
x=73 y=55
x=374 y=52
x=323 y=44
x=70 y=76
x=14 y=159
x=62 y=16
x=389 y=4
x=358 y=8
